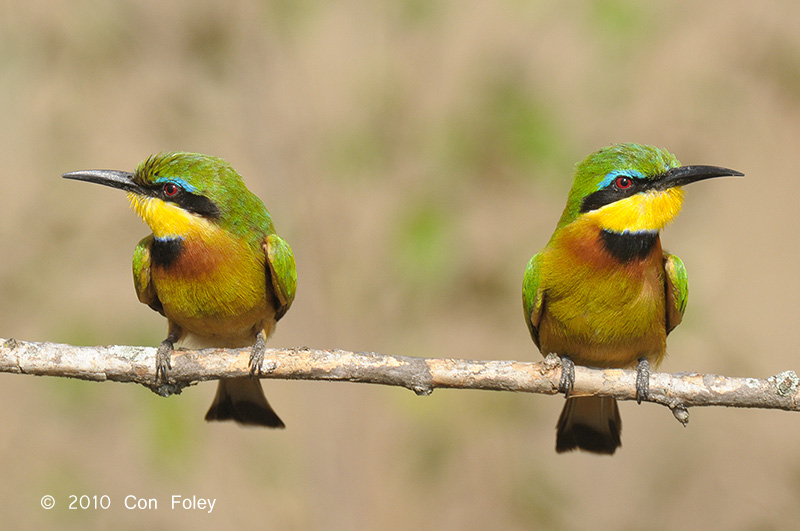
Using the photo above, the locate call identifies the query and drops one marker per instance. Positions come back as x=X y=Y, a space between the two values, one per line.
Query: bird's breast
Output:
x=211 y=286
x=603 y=307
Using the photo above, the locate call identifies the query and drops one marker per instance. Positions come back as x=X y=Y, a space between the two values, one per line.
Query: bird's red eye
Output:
x=623 y=183
x=170 y=189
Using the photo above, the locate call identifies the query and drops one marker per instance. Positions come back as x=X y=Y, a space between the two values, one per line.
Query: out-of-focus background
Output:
x=415 y=154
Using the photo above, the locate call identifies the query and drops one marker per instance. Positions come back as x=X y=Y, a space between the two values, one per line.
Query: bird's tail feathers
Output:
x=242 y=400
x=590 y=423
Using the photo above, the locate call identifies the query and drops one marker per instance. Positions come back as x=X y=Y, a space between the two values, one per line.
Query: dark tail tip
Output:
x=585 y=438
x=591 y=424
x=245 y=413
x=242 y=400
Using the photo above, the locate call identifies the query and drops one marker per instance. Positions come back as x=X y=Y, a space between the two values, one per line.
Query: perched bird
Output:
x=213 y=266
x=603 y=293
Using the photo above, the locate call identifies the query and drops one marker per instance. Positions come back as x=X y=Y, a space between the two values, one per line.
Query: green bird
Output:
x=213 y=266
x=603 y=293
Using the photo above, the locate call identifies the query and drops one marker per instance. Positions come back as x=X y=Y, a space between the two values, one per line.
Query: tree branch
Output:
x=421 y=375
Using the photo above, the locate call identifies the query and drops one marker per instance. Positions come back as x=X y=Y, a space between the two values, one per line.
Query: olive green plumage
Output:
x=242 y=213
x=602 y=292
x=213 y=266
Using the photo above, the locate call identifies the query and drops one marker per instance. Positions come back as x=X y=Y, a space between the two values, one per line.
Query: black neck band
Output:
x=628 y=246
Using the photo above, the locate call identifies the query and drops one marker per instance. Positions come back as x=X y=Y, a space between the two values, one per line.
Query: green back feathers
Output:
x=240 y=211
x=597 y=170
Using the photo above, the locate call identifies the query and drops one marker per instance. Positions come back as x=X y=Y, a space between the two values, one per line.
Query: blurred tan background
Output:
x=415 y=154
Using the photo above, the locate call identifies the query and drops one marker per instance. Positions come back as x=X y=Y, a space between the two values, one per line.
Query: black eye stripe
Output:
x=612 y=193
x=195 y=203
x=198 y=204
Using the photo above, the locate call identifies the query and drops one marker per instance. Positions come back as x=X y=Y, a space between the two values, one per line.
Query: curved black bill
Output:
x=113 y=178
x=689 y=174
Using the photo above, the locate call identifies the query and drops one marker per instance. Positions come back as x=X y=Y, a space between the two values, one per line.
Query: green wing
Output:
x=141 y=275
x=677 y=290
x=281 y=272
x=533 y=296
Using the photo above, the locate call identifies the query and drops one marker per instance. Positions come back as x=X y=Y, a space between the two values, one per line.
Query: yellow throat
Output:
x=649 y=211
x=168 y=220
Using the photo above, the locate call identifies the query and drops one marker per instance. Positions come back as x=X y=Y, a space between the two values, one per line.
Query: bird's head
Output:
x=632 y=188
x=177 y=193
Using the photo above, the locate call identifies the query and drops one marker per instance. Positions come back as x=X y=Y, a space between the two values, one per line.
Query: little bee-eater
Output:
x=213 y=266
x=603 y=293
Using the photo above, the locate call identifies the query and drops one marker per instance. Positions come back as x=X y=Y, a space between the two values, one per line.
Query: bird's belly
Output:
x=220 y=327
x=606 y=326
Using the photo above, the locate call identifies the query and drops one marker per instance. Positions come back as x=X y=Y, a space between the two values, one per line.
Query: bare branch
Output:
x=421 y=375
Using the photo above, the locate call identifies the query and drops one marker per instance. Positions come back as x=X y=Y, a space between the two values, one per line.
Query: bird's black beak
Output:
x=113 y=178
x=690 y=174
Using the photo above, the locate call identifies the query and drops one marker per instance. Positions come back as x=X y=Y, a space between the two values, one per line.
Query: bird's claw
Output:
x=257 y=355
x=642 y=380
x=163 y=362
x=567 y=376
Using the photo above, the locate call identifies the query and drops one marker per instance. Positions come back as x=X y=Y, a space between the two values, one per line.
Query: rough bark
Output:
x=421 y=375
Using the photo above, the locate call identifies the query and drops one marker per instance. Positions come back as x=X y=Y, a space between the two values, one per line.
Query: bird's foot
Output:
x=257 y=355
x=642 y=380
x=567 y=376
x=163 y=363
